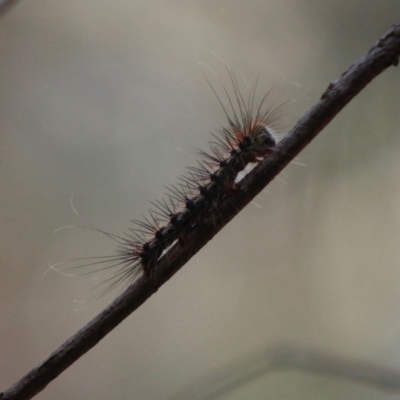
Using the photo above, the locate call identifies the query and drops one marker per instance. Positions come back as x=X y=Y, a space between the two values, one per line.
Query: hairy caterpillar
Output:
x=250 y=135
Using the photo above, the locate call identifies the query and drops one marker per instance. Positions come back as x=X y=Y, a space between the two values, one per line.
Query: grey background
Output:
x=106 y=102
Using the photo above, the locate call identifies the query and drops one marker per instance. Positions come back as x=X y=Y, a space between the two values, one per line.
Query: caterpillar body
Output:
x=249 y=137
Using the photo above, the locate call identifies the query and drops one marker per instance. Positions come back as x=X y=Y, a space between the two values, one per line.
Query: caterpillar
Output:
x=249 y=137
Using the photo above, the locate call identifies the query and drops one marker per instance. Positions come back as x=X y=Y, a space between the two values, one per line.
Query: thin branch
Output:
x=383 y=54
x=283 y=358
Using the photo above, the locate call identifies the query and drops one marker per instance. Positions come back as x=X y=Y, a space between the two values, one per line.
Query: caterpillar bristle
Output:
x=248 y=138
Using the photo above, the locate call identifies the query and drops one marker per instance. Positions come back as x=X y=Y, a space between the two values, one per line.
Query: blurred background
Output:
x=106 y=102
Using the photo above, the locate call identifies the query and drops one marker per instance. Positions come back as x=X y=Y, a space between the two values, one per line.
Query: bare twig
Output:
x=383 y=54
x=282 y=358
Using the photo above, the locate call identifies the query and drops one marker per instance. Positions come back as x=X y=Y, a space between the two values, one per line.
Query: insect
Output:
x=249 y=136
